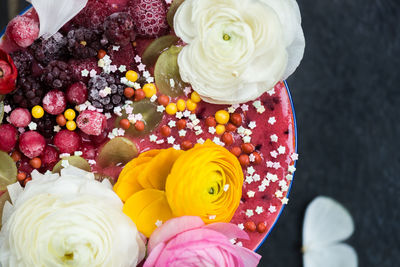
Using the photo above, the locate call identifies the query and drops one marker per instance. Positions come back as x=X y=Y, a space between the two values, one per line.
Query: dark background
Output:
x=346 y=101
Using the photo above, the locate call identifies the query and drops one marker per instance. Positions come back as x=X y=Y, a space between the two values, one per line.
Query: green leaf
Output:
x=154 y=50
x=119 y=150
x=172 y=10
x=8 y=171
x=75 y=161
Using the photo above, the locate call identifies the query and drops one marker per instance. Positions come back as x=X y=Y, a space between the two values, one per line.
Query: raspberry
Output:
x=117 y=5
x=54 y=102
x=83 y=43
x=67 y=141
x=77 y=66
x=31 y=144
x=119 y=29
x=77 y=93
x=23 y=61
x=57 y=75
x=124 y=56
x=93 y=15
x=49 y=157
x=20 y=117
x=8 y=137
x=149 y=16
x=50 y=49
x=23 y=31
x=91 y=122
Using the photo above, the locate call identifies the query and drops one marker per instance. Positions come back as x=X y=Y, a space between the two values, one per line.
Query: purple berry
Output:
x=119 y=29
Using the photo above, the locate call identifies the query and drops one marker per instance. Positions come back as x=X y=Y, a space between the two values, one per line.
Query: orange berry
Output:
x=211 y=122
x=244 y=160
x=257 y=158
x=236 y=119
x=261 y=227
x=139 y=125
x=36 y=163
x=181 y=124
x=16 y=156
x=129 y=92
x=165 y=131
x=27 y=180
x=61 y=120
x=139 y=95
x=125 y=124
x=236 y=151
x=101 y=53
x=227 y=138
x=186 y=145
x=230 y=127
x=21 y=176
x=250 y=226
x=247 y=148
x=163 y=100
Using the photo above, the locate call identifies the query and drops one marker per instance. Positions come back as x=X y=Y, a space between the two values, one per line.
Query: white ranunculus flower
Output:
x=67 y=220
x=238 y=49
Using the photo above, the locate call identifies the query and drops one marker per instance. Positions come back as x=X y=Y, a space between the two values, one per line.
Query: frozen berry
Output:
x=99 y=139
x=92 y=122
x=57 y=75
x=23 y=61
x=49 y=157
x=77 y=93
x=50 y=49
x=25 y=167
x=150 y=17
x=88 y=150
x=23 y=31
x=54 y=102
x=67 y=141
x=119 y=29
x=78 y=65
x=83 y=43
x=8 y=137
x=125 y=55
x=20 y=117
x=31 y=144
x=93 y=15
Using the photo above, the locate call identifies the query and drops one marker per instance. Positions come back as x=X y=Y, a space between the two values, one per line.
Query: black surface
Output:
x=346 y=98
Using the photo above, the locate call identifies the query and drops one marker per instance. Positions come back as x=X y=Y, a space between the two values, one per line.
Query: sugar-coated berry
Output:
x=165 y=131
x=230 y=127
x=139 y=125
x=129 y=92
x=171 y=109
x=220 y=129
x=211 y=122
x=70 y=114
x=139 y=95
x=132 y=76
x=186 y=145
x=67 y=141
x=236 y=151
x=37 y=112
x=191 y=105
x=21 y=176
x=244 y=160
x=92 y=122
x=181 y=104
x=31 y=144
x=20 y=117
x=247 y=148
x=8 y=137
x=227 y=138
x=250 y=226
x=181 y=124
x=261 y=227
x=60 y=119
x=23 y=30
x=163 y=100
x=195 y=97
x=101 y=53
x=71 y=125
x=49 y=157
x=257 y=158
x=125 y=124
x=149 y=89
x=36 y=163
x=77 y=93
x=16 y=156
x=54 y=102
x=222 y=116
x=236 y=119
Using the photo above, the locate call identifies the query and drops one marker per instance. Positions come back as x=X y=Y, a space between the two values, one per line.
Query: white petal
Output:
x=326 y=222
x=54 y=14
x=14 y=190
x=339 y=255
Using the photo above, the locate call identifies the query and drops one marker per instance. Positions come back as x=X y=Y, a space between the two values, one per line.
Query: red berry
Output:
x=16 y=156
x=21 y=176
x=261 y=227
x=125 y=124
x=129 y=92
x=23 y=31
x=186 y=145
x=31 y=144
x=94 y=14
x=247 y=148
x=88 y=150
x=91 y=122
x=101 y=53
x=181 y=124
x=139 y=125
x=163 y=100
x=67 y=141
x=139 y=95
x=236 y=119
x=60 y=119
x=236 y=151
x=119 y=29
x=8 y=137
x=165 y=131
x=244 y=160
x=227 y=138
x=230 y=127
x=211 y=122
x=36 y=163
x=99 y=139
x=24 y=166
x=257 y=158
x=250 y=226
x=54 y=102
x=49 y=157
x=78 y=65
x=77 y=93
x=20 y=117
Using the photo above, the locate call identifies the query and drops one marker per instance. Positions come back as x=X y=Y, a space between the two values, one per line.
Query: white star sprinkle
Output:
x=294 y=156
x=272 y=120
x=249 y=213
x=172 y=124
x=153 y=138
x=160 y=108
x=252 y=158
x=32 y=126
x=272 y=177
x=257 y=104
x=261 y=110
x=252 y=125
x=179 y=115
x=170 y=140
x=249 y=179
x=141 y=67
x=138 y=59
x=177 y=147
x=93 y=73
x=241 y=226
x=251 y=193
x=278 y=194
x=273 y=154
x=271 y=92
x=272 y=209
x=251 y=170
x=291 y=169
x=281 y=150
x=256 y=177
x=245 y=107
x=200 y=141
x=7 y=108
x=284 y=200
x=187 y=90
x=211 y=130
x=246 y=139
x=261 y=188
x=115 y=47
x=276 y=165
x=158 y=223
x=269 y=164
x=146 y=74
x=85 y=73
x=274 y=138
x=122 y=68
x=259 y=210
x=289 y=177
x=57 y=128
x=182 y=133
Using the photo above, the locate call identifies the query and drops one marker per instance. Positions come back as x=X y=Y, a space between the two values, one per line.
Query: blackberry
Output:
x=50 y=49
x=28 y=94
x=23 y=61
x=115 y=99
x=45 y=125
x=83 y=43
x=57 y=75
x=119 y=29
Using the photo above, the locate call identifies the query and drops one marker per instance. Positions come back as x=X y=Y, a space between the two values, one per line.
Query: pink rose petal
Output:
x=228 y=229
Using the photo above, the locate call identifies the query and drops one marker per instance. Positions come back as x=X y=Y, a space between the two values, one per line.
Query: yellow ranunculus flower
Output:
x=205 y=181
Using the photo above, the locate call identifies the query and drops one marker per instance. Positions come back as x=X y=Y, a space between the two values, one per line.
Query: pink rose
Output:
x=187 y=241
